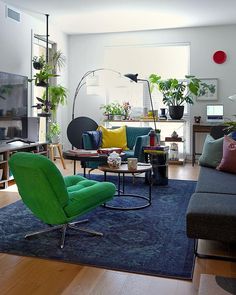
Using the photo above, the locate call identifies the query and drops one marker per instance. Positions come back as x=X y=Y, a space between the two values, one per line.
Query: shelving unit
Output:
x=166 y=130
x=6 y=150
x=181 y=159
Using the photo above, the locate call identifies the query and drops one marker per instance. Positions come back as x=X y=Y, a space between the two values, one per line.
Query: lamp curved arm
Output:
x=82 y=83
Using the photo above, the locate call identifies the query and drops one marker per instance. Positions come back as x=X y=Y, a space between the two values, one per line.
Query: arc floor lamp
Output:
x=80 y=124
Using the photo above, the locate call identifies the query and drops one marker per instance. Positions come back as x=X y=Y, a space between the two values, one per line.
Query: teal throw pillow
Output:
x=212 y=152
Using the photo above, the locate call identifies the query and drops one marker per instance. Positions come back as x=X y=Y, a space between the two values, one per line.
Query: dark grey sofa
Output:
x=211 y=213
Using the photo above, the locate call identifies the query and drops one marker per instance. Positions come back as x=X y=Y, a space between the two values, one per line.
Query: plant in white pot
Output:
x=178 y=92
x=54 y=132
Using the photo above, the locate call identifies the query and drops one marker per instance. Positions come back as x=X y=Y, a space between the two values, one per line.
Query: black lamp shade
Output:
x=133 y=77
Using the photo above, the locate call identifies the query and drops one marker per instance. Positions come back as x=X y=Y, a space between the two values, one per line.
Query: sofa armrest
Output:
x=141 y=141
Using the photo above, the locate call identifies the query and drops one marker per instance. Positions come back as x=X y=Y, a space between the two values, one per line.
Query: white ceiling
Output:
x=99 y=16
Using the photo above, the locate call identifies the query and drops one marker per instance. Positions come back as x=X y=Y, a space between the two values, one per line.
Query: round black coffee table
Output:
x=122 y=170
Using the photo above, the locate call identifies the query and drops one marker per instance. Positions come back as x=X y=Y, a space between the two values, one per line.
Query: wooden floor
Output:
x=22 y=275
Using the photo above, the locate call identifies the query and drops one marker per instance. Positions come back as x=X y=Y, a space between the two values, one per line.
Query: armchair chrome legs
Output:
x=63 y=228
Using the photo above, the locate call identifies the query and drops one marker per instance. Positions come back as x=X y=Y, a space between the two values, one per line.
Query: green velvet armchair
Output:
x=54 y=199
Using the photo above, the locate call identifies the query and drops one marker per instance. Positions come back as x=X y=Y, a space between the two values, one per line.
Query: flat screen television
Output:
x=13 y=107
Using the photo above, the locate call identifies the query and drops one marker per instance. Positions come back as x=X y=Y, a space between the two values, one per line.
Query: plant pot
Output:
x=176 y=112
x=117 y=117
x=42 y=84
x=37 y=65
x=55 y=139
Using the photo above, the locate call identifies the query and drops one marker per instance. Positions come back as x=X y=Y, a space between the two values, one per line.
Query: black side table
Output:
x=159 y=162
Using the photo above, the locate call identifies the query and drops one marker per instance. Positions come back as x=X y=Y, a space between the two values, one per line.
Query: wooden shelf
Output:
x=9 y=149
x=176 y=162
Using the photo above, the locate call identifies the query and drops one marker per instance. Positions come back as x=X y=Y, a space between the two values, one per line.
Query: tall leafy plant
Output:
x=176 y=92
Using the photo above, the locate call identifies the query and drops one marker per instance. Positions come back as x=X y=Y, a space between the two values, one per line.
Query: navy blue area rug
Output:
x=149 y=241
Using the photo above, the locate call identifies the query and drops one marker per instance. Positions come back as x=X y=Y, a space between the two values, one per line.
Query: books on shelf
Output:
x=173 y=139
x=156 y=148
x=159 y=149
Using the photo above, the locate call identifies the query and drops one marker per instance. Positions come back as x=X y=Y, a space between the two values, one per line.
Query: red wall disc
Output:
x=219 y=57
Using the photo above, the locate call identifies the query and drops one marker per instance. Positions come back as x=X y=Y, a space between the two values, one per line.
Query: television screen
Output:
x=13 y=106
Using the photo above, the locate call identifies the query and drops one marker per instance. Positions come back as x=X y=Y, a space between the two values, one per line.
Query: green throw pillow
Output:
x=212 y=152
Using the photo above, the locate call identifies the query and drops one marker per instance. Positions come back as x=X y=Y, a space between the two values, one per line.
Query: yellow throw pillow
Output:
x=114 y=137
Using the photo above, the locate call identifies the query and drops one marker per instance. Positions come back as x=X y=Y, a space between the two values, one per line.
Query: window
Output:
x=168 y=61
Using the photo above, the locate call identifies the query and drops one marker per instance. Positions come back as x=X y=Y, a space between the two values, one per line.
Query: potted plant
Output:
x=107 y=111
x=41 y=78
x=113 y=111
x=57 y=95
x=177 y=92
x=58 y=60
x=38 y=62
x=54 y=132
x=117 y=111
x=231 y=127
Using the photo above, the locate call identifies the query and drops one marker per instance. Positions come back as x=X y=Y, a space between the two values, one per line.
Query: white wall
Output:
x=15 y=49
x=86 y=52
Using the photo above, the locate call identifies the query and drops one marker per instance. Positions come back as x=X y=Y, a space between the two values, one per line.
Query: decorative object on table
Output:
x=197 y=119
x=114 y=160
x=163 y=115
x=177 y=92
x=174 y=134
x=152 y=138
x=127 y=110
x=174 y=154
x=208 y=89
x=134 y=77
x=132 y=164
x=219 y=57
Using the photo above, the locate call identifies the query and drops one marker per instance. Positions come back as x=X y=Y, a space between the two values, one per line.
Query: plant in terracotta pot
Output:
x=178 y=92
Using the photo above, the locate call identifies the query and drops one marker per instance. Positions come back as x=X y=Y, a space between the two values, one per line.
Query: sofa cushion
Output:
x=133 y=132
x=212 y=217
x=212 y=152
x=213 y=181
x=114 y=137
x=228 y=162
